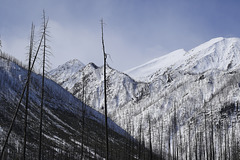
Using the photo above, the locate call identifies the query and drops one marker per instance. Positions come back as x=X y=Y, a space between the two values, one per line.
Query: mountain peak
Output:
x=71 y=65
x=66 y=70
x=73 y=62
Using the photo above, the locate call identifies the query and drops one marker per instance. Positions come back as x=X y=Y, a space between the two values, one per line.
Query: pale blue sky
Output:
x=136 y=30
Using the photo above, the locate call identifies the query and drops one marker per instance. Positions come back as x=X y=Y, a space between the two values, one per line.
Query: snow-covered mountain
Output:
x=63 y=128
x=180 y=98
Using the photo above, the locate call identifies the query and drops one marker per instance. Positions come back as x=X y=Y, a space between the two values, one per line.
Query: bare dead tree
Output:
x=180 y=136
x=27 y=93
x=150 y=137
x=205 y=130
x=83 y=112
x=200 y=146
x=140 y=139
x=105 y=89
x=45 y=22
x=169 y=141
x=229 y=147
x=225 y=140
x=189 y=140
x=185 y=139
x=174 y=132
x=212 y=136
x=196 y=139
x=162 y=139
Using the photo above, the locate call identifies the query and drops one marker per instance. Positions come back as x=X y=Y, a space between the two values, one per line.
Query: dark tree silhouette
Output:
x=83 y=111
x=27 y=93
x=150 y=137
x=45 y=22
x=105 y=93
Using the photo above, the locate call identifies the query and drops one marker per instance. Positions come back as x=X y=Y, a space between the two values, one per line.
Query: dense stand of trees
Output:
x=209 y=134
x=208 y=140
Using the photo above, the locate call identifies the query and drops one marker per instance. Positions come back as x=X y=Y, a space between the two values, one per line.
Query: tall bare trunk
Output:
x=105 y=92
x=42 y=93
x=27 y=93
x=205 y=124
x=150 y=136
x=83 y=113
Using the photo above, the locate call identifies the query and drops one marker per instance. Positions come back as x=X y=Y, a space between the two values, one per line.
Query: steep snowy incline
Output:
x=219 y=53
x=62 y=122
x=12 y=80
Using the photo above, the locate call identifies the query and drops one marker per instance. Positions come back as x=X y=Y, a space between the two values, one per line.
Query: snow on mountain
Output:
x=219 y=53
x=177 y=94
x=62 y=118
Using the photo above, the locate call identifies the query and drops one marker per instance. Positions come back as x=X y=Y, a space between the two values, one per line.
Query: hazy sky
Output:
x=136 y=31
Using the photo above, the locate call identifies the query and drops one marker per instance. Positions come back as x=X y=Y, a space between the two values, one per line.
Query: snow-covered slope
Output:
x=178 y=94
x=62 y=119
x=219 y=53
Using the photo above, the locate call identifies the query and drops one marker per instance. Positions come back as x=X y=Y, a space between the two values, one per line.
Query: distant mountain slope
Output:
x=219 y=53
x=62 y=130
